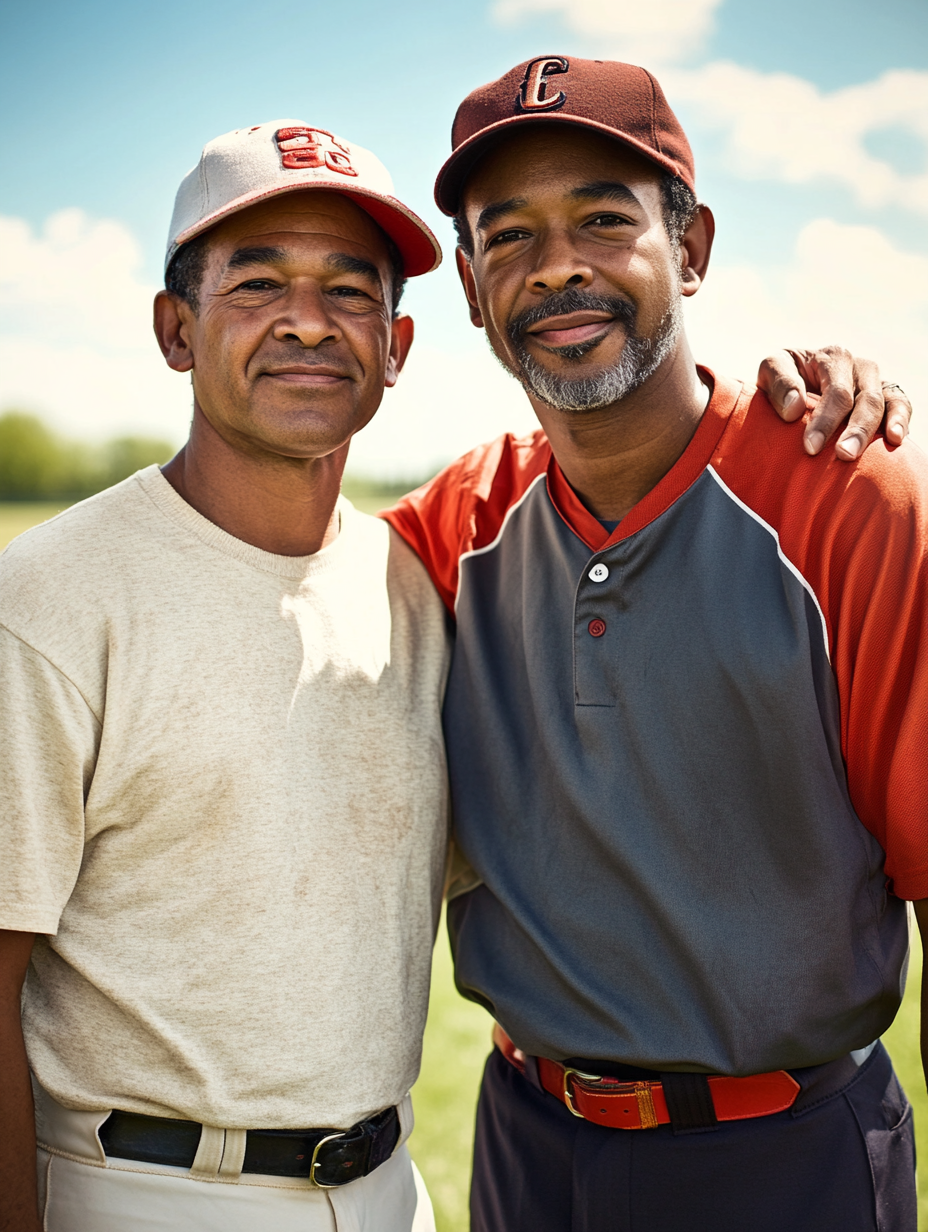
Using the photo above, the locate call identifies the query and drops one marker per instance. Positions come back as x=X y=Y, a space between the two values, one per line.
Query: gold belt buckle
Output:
x=567 y=1095
x=647 y=1113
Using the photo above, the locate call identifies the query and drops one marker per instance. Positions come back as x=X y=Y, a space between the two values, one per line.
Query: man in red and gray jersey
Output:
x=689 y=777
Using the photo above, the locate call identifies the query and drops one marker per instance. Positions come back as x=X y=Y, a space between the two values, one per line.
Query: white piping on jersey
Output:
x=490 y=546
x=782 y=555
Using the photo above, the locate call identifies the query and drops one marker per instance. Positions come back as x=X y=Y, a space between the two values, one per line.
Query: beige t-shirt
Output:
x=223 y=796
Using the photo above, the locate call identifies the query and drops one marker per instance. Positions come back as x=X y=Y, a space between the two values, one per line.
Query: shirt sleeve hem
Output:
x=29 y=920
x=913 y=887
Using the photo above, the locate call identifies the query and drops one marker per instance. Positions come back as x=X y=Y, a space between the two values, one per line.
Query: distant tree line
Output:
x=36 y=464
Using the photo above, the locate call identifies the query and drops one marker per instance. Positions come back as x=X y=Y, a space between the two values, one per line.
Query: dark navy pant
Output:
x=841 y=1160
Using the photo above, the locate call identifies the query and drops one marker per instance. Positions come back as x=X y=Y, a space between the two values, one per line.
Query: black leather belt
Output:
x=327 y=1157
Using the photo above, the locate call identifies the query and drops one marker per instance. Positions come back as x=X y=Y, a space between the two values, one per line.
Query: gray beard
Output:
x=640 y=359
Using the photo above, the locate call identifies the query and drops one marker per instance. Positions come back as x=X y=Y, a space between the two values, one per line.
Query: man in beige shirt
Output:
x=223 y=794
x=223 y=788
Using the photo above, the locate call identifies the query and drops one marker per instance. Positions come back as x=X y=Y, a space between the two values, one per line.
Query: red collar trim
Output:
x=681 y=476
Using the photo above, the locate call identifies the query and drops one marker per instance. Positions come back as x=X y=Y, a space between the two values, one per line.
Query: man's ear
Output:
x=466 y=274
x=695 y=250
x=172 y=321
x=401 y=336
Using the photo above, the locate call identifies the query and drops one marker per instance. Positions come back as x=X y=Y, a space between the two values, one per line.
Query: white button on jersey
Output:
x=598 y=573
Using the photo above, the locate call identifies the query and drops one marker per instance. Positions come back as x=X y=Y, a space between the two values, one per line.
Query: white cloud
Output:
x=780 y=127
x=654 y=32
x=843 y=284
x=78 y=276
x=76 y=341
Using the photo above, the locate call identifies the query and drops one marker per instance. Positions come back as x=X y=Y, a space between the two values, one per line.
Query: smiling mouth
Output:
x=571 y=328
x=307 y=376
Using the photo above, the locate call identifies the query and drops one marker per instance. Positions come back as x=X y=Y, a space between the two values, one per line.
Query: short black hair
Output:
x=184 y=275
x=678 y=206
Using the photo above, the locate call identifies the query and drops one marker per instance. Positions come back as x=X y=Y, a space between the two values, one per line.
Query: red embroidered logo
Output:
x=533 y=94
x=312 y=147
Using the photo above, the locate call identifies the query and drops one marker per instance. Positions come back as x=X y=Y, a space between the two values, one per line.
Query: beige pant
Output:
x=80 y=1190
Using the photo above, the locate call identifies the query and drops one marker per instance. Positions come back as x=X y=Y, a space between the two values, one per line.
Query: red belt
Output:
x=642 y=1105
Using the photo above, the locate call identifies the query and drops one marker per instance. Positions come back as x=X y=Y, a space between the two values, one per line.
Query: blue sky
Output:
x=809 y=123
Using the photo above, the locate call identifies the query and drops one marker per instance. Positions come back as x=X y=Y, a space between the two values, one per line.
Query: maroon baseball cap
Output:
x=618 y=100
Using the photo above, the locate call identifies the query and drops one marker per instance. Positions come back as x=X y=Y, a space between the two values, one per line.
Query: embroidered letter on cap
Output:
x=312 y=147
x=532 y=95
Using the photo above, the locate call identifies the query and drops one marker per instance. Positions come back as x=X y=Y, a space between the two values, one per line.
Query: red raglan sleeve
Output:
x=464 y=506
x=858 y=534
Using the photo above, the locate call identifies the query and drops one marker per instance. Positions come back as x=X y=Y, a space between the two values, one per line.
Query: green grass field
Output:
x=457 y=1038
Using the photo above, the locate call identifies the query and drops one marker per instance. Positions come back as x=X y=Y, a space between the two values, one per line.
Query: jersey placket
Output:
x=597 y=612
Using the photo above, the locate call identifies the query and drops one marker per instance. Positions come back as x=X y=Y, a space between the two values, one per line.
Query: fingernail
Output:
x=851 y=446
x=814 y=441
x=792 y=400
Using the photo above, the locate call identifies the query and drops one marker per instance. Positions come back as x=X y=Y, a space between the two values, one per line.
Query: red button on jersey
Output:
x=597 y=628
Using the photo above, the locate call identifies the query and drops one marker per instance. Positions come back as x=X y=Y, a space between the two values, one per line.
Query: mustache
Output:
x=283 y=355
x=572 y=300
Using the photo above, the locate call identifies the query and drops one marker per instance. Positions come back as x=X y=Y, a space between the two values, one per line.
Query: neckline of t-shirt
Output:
x=169 y=502
x=682 y=475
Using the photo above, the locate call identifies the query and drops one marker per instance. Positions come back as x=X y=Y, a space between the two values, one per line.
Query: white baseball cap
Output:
x=252 y=164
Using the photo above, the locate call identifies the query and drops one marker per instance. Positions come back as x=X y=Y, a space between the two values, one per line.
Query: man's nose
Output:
x=305 y=318
x=558 y=266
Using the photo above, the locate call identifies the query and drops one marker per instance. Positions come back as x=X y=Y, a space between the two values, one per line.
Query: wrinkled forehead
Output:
x=311 y=214
x=548 y=156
